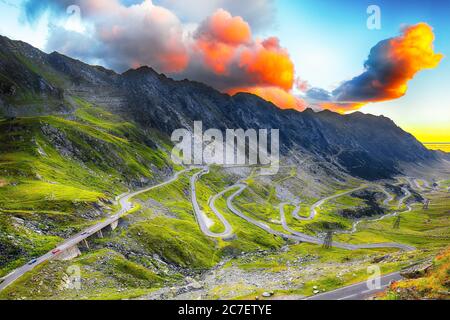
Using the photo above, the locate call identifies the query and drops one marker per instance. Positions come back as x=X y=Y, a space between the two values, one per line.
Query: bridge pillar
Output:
x=100 y=234
x=86 y=244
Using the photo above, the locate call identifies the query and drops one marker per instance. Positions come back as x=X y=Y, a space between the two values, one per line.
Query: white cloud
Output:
x=260 y=14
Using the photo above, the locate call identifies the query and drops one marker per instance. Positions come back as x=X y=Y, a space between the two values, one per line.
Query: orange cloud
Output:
x=225 y=28
x=216 y=55
x=261 y=67
x=392 y=63
x=269 y=64
x=411 y=53
x=219 y=37
x=270 y=69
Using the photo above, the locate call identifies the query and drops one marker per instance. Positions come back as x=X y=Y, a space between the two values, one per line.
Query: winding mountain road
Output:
x=315 y=240
x=241 y=187
x=296 y=211
x=389 y=197
x=313 y=211
x=203 y=221
x=298 y=236
x=125 y=206
x=406 y=195
x=292 y=234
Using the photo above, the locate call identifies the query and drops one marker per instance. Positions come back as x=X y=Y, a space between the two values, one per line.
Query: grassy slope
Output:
x=427 y=229
x=55 y=190
x=176 y=236
x=56 y=175
x=165 y=226
x=104 y=274
x=435 y=284
x=327 y=269
x=167 y=229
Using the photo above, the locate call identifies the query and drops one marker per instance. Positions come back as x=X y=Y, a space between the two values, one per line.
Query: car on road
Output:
x=56 y=251
x=85 y=233
x=31 y=262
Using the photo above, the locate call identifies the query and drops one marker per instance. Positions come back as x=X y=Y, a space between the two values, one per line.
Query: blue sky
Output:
x=328 y=41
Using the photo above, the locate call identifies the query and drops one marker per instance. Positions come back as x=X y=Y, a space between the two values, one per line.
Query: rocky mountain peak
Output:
x=366 y=146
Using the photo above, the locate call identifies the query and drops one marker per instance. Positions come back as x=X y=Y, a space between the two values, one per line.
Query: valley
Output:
x=87 y=183
x=272 y=269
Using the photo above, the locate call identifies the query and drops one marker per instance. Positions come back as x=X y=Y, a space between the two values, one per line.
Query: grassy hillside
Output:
x=64 y=161
x=60 y=174
x=434 y=283
x=425 y=229
x=105 y=274
x=160 y=246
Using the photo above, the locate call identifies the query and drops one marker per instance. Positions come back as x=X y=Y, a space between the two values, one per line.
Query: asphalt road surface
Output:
x=202 y=219
x=212 y=204
x=358 y=291
x=389 y=197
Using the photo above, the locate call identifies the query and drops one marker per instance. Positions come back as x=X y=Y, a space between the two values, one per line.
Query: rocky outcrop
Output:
x=417 y=271
x=69 y=254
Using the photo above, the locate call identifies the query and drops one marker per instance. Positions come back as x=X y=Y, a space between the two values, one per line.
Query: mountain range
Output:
x=79 y=141
x=33 y=83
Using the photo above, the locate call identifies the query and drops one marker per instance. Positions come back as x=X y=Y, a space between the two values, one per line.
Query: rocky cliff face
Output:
x=34 y=83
